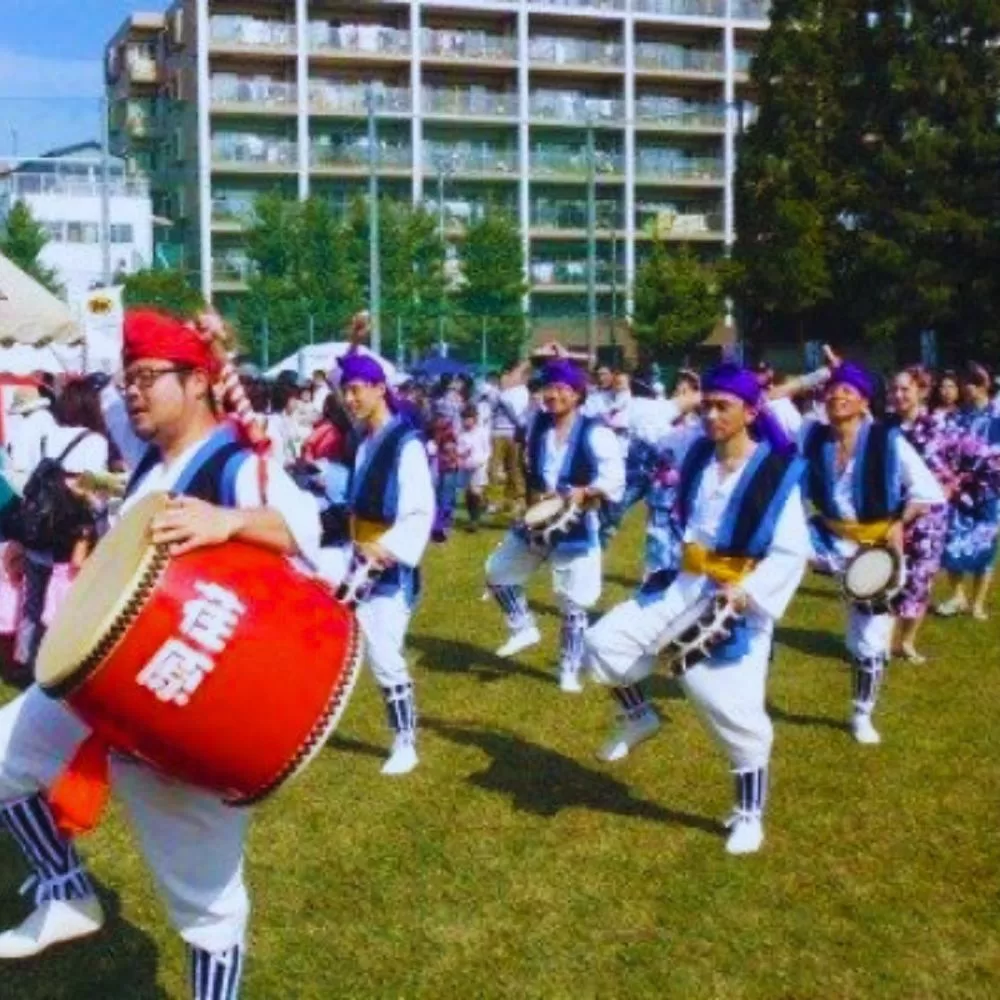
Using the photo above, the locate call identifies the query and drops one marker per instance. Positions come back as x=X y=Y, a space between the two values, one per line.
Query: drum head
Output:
x=869 y=573
x=99 y=594
x=541 y=513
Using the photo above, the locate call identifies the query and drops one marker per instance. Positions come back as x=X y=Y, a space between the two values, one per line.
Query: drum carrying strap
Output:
x=866 y=533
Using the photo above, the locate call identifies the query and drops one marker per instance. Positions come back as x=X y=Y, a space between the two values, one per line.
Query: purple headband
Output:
x=357 y=367
x=744 y=385
x=565 y=372
x=734 y=381
x=853 y=375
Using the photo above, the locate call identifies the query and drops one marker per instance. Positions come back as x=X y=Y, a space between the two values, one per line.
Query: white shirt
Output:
x=510 y=410
x=771 y=585
x=298 y=508
x=787 y=415
x=651 y=419
x=610 y=478
x=129 y=444
x=474 y=447
x=25 y=439
x=919 y=484
x=89 y=455
x=407 y=539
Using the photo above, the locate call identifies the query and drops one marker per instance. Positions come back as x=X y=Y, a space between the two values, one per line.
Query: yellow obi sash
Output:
x=864 y=533
x=699 y=561
x=367 y=531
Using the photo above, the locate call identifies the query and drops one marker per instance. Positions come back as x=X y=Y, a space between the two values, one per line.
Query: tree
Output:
x=162 y=288
x=22 y=241
x=493 y=286
x=414 y=287
x=302 y=277
x=678 y=300
x=867 y=199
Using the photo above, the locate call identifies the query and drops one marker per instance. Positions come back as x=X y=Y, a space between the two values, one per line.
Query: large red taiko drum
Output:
x=226 y=667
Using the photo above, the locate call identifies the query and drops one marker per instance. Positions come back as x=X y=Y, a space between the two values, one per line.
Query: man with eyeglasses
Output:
x=192 y=841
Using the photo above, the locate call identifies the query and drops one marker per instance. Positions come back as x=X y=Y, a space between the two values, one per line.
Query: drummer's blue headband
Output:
x=356 y=367
x=563 y=372
x=734 y=381
x=855 y=376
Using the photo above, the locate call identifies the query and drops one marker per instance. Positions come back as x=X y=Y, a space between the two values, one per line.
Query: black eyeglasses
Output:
x=146 y=378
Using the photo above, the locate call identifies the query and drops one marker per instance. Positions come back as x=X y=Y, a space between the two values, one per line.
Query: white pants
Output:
x=384 y=620
x=576 y=578
x=192 y=842
x=868 y=636
x=622 y=648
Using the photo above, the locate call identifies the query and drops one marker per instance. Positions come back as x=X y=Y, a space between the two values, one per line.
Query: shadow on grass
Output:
x=798 y=719
x=119 y=963
x=453 y=656
x=544 y=782
x=819 y=642
x=347 y=744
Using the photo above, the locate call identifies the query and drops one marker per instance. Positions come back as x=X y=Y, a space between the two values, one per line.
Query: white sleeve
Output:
x=299 y=509
x=774 y=580
x=919 y=484
x=787 y=414
x=650 y=419
x=131 y=447
x=610 y=479
x=408 y=537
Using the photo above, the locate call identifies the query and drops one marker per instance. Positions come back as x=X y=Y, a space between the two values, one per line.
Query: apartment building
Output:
x=477 y=101
x=64 y=190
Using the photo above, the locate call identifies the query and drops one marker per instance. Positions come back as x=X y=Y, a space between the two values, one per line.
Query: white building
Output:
x=63 y=191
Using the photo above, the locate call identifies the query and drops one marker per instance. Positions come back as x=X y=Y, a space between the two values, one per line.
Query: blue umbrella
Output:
x=436 y=366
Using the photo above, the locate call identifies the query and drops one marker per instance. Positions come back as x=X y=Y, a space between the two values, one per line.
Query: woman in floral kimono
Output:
x=974 y=517
x=923 y=542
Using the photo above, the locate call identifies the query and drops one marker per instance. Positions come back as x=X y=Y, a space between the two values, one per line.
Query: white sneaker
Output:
x=569 y=681
x=958 y=605
x=628 y=735
x=747 y=834
x=403 y=758
x=53 y=922
x=522 y=639
x=863 y=730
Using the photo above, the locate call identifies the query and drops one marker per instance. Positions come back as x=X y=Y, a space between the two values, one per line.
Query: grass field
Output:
x=512 y=864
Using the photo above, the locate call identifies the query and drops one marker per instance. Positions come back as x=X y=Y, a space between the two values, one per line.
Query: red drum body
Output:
x=226 y=668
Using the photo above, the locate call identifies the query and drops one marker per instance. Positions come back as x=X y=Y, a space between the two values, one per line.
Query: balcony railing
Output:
x=363 y=39
x=232 y=208
x=465 y=158
x=356 y=154
x=237 y=148
x=573 y=106
x=470 y=101
x=443 y=44
x=336 y=97
x=233 y=267
x=669 y=219
x=19 y=185
x=678 y=58
x=253 y=32
x=572 y=214
x=573 y=160
x=561 y=51
x=668 y=165
x=142 y=67
x=259 y=92
x=574 y=272
x=742 y=60
x=590 y=5
x=751 y=10
x=678 y=113
x=681 y=8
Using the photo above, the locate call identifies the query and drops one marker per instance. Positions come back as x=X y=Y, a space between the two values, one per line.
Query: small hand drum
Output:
x=693 y=635
x=547 y=521
x=873 y=579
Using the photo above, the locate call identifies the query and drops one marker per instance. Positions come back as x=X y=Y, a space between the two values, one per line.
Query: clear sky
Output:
x=51 y=75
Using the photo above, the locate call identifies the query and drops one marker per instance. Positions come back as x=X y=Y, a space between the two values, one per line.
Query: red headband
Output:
x=156 y=335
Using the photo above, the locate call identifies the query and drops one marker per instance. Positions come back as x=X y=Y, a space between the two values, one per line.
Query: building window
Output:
x=74 y=232
x=54 y=231
x=91 y=232
x=121 y=233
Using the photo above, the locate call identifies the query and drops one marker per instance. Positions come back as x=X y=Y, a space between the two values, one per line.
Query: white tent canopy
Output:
x=324 y=356
x=29 y=313
x=58 y=359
